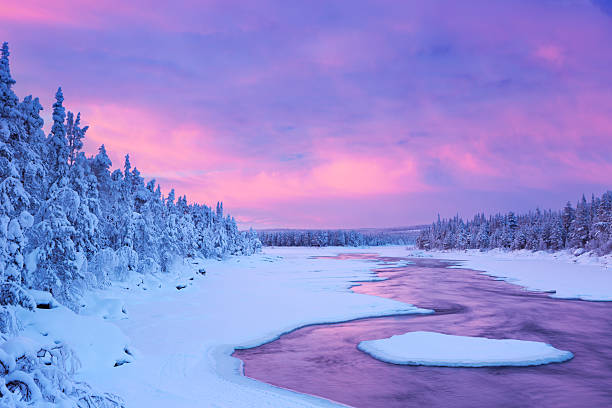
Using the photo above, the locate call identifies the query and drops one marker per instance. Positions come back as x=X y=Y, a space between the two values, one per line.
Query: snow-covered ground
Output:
x=437 y=349
x=172 y=347
x=561 y=274
x=167 y=340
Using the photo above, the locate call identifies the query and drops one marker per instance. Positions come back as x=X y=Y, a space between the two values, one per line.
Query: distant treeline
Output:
x=322 y=238
x=587 y=226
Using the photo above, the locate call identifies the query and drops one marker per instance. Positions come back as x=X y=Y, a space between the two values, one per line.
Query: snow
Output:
x=18 y=346
x=98 y=344
x=26 y=220
x=105 y=307
x=43 y=298
x=22 y=377
x=157 y=346
x=561 y=274
x=174 y=348
x=437 y=349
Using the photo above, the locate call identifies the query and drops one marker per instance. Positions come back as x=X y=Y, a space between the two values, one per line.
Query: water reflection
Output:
x=323 y=360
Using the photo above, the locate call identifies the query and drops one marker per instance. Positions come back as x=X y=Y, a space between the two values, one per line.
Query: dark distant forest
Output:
x=348 y=238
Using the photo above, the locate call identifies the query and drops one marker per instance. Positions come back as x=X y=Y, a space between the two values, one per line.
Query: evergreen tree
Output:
x=8 y=99
x=579 y=229
x=15 y=201
x=567 y=219
x=482 y=240
x=75 y=136
x=58 y=262
x=58 y=144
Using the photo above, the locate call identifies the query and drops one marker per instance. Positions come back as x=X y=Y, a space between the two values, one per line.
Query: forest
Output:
x=323 y=238
x=69 y=223
x=584 y=227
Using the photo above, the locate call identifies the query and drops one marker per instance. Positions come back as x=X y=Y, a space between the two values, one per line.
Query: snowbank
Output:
x=167 y=341
x=561 y=274
x=437 y=349
x=97 y=344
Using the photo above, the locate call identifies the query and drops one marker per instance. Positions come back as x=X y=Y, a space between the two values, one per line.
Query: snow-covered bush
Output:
x=126 y=263
x=148 y=266
x=39 y=375
x=9 y=324
x=102 y=266
x=12 y=294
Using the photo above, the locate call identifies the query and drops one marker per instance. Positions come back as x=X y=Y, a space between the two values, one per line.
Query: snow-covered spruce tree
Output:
x=64 y=233
x=15 y=218
x=169 y=245
x=75 y=135
x=15 y=157
x=482 y=239
x=58 y=150
x=31 y=150
x=601 y=230
x=84 y=182
x=579 y=228
x=58 y=266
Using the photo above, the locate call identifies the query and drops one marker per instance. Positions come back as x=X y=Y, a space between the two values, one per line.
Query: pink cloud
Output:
x=267 y=105
x=551 y=53
x=67 y=13
x=161 y=148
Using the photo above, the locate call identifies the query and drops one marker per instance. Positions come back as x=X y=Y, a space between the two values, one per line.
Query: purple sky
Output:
x=335 y=113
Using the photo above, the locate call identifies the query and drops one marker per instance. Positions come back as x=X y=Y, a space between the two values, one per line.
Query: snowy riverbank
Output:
x=163 y=346
x=561 y=274
x=167 y=341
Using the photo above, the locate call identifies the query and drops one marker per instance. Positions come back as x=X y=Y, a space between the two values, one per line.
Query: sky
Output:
x=334 y=114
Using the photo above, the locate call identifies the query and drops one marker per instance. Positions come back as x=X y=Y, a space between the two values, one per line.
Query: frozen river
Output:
x=323 y=360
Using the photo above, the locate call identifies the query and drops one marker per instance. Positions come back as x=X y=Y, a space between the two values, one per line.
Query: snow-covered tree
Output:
x=8 y=99
x=579 y=228
x=58 y=150
x=58 y=262
x=75 y=135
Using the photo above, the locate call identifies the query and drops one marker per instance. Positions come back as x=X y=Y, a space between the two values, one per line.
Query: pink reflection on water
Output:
x=323 y=360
